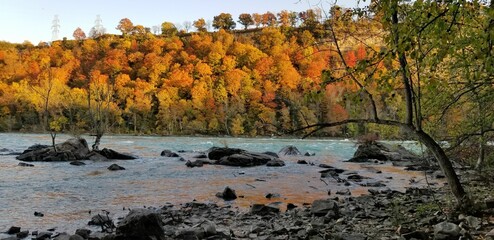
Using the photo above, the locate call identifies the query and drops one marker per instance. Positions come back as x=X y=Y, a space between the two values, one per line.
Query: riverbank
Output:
x=417 y=213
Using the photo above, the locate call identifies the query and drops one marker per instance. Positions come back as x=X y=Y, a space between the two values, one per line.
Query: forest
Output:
x=281 y=73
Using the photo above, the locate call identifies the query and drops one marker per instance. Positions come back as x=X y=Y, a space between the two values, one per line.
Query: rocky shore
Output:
x=417 y=213
x=383 y=214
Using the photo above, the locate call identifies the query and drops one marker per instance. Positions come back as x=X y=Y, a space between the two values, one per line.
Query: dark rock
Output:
x=39 y=214
x=438 y=174
x=70 y=150
x=263 y=210
x=228 y=194
x=168 y=153
x=308 y=154
x=115 y=167
x=245 y=159
x=217 y=153
x=290 y=206
x=23 y=164
x=415 y=235
x=44 y=235
x=272 y=154
x=112 y=154
x=96 y=156
x=202 y=155
x=289 y=150
x=323 y=207
x=275 y=163
x=302 y=162
x=272 y=195
x=383 y=152
x=13 y=230
x=446 y=230
x=197 y=163
x=83 y=232
x=22 y=234
x=141 y=224
x=77 y=163
x=349 y=236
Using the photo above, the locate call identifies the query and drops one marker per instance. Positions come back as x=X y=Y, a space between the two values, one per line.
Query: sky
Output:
x=31 y=20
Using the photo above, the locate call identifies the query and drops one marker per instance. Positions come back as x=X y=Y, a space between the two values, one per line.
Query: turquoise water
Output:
x=66 y=193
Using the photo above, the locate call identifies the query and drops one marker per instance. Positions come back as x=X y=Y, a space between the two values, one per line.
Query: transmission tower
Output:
x=98 y=28
x=55 y=28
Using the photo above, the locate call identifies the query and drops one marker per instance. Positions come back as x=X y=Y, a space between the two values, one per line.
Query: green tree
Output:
x=245 y=20
x=224 y=21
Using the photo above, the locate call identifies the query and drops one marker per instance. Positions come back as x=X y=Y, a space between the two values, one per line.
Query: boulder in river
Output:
x=115 y=167
x=112 y=154
x=217 y=153
x=169 y=153
x=290 y=151
x=384 y=152
x=70 y=150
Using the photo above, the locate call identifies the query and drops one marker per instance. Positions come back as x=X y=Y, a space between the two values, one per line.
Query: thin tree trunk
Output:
x=480 y=160
x=446 y=166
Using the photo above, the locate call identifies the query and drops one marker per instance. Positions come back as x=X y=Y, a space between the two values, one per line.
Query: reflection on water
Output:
x=67 y=194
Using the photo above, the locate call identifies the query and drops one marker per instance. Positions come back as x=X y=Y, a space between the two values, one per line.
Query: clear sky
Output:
x=31 y=20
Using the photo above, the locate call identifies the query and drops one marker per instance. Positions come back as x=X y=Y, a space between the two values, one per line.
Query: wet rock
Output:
x=263 y=210
x=217 y=153
x=22 y=234
x=77 y=163
x=356 y=177
x=383 y=152
x=9 y=238
x=115 y=167
x=197 y=163
x=13 y=230
x=446 y=230
x=228 y=194
x=322 y=207
x=141 y=224
x=290 y=151
x=470 y=221
x=39 y=214
x=96 y=157
x=22 y=164
x=290 y=206
x=308 y=154
x=275 y=163
x=112 y=154
x=272 y=154
x=169 y=153
x=245 y=159
x=72 y=149
x=302 y=162
x=375 y=184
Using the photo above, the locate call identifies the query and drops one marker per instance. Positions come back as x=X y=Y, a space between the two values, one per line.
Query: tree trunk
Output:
x=97 y=141
x=53 y=137
x=480 y=160
x=446 y=167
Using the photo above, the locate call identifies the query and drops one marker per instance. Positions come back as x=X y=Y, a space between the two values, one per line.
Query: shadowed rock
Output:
x=169 y=153
x=141 y=224
x=384 y=152
x=115 y=167
x=70 y=150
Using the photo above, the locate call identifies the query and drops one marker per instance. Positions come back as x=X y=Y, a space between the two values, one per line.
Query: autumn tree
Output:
x=245 y=20
x=268 y=19
x=168 y=29
x=125 y=26
x=257 y=18
x=224 y=21
x=79 y=34
x=200 y=25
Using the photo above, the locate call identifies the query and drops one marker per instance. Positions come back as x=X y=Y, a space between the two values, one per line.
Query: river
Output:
x=66 y=194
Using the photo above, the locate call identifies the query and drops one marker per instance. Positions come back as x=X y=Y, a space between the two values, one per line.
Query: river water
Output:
x=65 y=194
